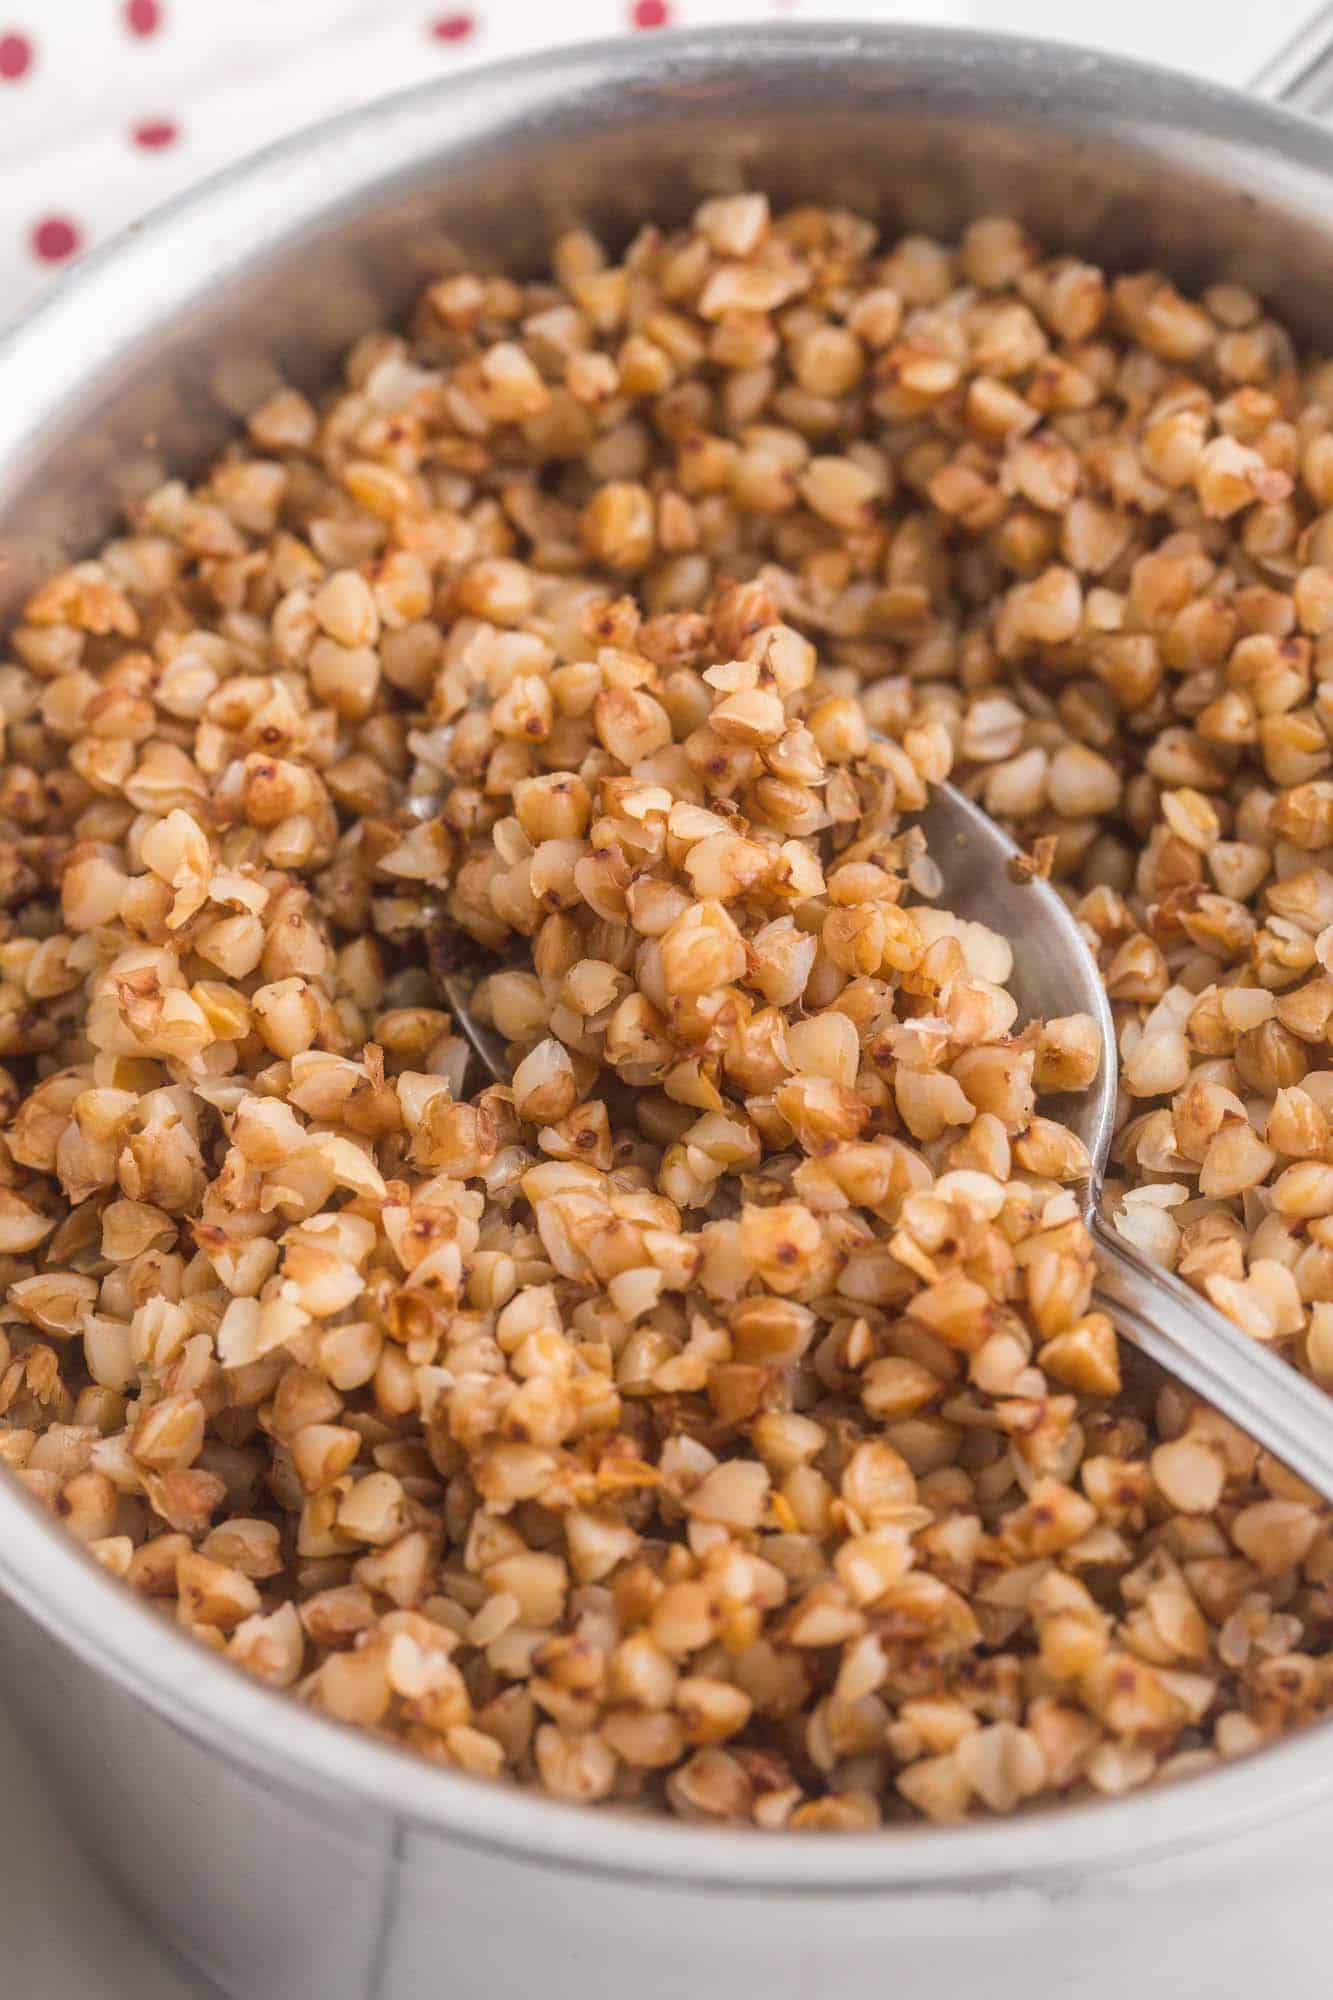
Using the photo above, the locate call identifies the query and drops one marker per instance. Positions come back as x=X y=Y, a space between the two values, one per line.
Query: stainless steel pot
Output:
x=293 y=1860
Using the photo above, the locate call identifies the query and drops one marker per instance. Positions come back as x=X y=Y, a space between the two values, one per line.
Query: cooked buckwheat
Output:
x=713 y=1421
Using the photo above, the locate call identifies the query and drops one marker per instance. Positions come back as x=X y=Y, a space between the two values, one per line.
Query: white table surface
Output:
x=62 y=1935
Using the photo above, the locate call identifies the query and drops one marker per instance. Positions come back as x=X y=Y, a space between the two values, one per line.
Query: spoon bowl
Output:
x=983 y=879
x=1056 y=973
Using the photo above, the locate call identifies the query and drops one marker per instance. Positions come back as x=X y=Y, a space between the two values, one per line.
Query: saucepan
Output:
x=288 y=1859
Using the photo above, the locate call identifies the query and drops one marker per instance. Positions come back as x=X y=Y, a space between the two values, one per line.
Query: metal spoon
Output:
x=1055 y=973
x=488 y=1045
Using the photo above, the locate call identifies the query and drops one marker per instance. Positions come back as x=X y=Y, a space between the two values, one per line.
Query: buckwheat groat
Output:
x=714 y=1421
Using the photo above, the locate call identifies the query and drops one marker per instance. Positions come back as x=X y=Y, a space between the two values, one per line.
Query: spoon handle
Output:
x=1247 y=1382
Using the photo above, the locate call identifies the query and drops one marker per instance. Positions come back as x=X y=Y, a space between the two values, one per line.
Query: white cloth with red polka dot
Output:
x=107 y=107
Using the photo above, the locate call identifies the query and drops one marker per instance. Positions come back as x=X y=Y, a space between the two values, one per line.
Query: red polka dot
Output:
x=649 y=14
x=54 y=238
x=15 y=57
x=155 y=133
x=143 y=17
x=452 y=27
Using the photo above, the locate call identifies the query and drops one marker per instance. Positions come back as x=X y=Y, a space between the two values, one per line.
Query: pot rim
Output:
x=140 y=281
